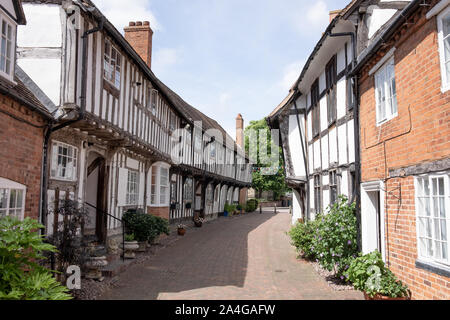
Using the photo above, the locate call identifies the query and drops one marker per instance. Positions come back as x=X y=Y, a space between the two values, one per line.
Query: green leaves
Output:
x=21 y=276
x=368 y=273
x=331 y=239
x=145 y=227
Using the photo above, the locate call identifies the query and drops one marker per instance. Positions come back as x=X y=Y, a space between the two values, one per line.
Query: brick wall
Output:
x=21 y=148
x=162 y=212
x=402 y=142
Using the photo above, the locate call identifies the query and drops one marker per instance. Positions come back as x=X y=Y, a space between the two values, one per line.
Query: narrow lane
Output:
x=247 y=257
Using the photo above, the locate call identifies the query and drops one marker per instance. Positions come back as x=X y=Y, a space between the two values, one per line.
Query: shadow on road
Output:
x=215 y=255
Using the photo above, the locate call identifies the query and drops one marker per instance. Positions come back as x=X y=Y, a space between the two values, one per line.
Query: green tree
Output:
x=261 y=182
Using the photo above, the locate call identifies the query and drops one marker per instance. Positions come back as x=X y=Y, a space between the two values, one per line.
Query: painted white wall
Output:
x=311 y=197
x=325 y=200
x=43 y=28
x=295 y=145
x=296 y=208
x=341 y=97
x=340 y=63
x=309 y=124
x=351 y=141
x=325 y=160
x=317 y=163
x=378 y=19
x=310 y=156
x=323 y=114
x=342 y=134
x=322 y=81
x=333 y=145
x=344 y=183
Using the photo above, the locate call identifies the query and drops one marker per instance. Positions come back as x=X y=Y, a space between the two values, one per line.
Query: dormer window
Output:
x=7 y=44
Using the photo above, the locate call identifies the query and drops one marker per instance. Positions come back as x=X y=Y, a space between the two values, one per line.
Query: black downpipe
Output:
x=65 y=124
x=356 y=196
x=308 y=205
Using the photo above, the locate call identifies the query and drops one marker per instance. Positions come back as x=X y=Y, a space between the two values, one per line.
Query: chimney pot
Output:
x=146 y=23
x=138 y=23
x=132 y=24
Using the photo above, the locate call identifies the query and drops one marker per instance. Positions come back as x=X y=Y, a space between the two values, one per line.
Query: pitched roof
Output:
x=190 y=113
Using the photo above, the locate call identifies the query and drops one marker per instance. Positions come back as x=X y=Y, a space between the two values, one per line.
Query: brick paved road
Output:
x=247 y=257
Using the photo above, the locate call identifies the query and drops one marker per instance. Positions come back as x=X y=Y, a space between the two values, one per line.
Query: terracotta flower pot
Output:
x=181 y=231
x=381 y=297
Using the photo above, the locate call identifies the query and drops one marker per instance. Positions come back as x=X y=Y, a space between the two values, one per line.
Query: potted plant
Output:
x=131 y=245
x=369 y=274
x=226 y=210
x=141 y=225
x=199 y=222
x=181 y=229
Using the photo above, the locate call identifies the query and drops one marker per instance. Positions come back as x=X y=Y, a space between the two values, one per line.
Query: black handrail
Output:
x=117 y=219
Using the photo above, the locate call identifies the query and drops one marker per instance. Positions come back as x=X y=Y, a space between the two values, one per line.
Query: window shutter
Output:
x=122 y=188
x=141 y=188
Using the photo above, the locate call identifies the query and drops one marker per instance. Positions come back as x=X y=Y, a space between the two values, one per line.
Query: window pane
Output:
x=444 y=251
x=19 y=203
x=12 y=198
x=447 y=49
x=3 y=198
x=443 y=230
x=446 y=25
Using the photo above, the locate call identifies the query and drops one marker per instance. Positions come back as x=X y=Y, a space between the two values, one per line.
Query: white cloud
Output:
x=165 y=58
x=312 y=19
x=121 y=12
x=291 y=74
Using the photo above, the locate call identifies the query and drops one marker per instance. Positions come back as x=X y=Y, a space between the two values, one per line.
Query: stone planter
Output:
x=181 y=231
x=130 y=248
x=95 y=266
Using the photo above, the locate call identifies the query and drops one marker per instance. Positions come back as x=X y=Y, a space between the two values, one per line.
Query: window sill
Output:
x=379 y=124
x=159 y=205
x=444 y=89
x=433 y=267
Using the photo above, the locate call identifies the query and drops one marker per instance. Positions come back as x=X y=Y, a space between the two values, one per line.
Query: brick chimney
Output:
x=334 y=14
x=139 y=35
x=240 y=131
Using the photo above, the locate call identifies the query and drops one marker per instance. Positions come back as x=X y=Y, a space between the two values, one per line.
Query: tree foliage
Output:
x=261 y=182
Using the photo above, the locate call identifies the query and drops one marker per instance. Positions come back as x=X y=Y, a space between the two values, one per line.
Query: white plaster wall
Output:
x=378 y=19
x=344 y=183
x=46 y=73
x=317 y=163
x=309 y=125
x=349 y=53
x=351 y=141
x=295 y=145
x=325 y=160
x=310 y=156
x=323 y=114
x=311 y=195
x=296 y=208
x=325 y=180
x=333 y=146
x=341 y=97
x=326 y=200
x=43 y=28
x=342 y=134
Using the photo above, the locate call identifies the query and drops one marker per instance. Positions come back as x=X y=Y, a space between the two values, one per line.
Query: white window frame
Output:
x=8 y=185
x=421 y=255
x=157 y=185
x=4 y=17
x=129 y=193
x=389 y=114
x=117 y=64
x=54 y=172
x=445 y=82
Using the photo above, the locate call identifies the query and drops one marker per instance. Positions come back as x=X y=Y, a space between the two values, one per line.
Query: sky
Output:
x=226 y=57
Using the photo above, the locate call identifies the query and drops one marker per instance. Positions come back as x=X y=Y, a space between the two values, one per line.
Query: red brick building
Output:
x=404 y=82
x=24 y=119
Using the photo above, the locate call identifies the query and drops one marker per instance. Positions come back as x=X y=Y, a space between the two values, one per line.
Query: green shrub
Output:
x=335 y=244
x=302 y=236
x=368 y=273
x=21 y=275
x=251 y=205
x=145 y=227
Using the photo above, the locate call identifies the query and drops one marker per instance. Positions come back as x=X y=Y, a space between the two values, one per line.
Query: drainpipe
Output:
x=356 y=196
x=308 y=205
x=80 y=116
